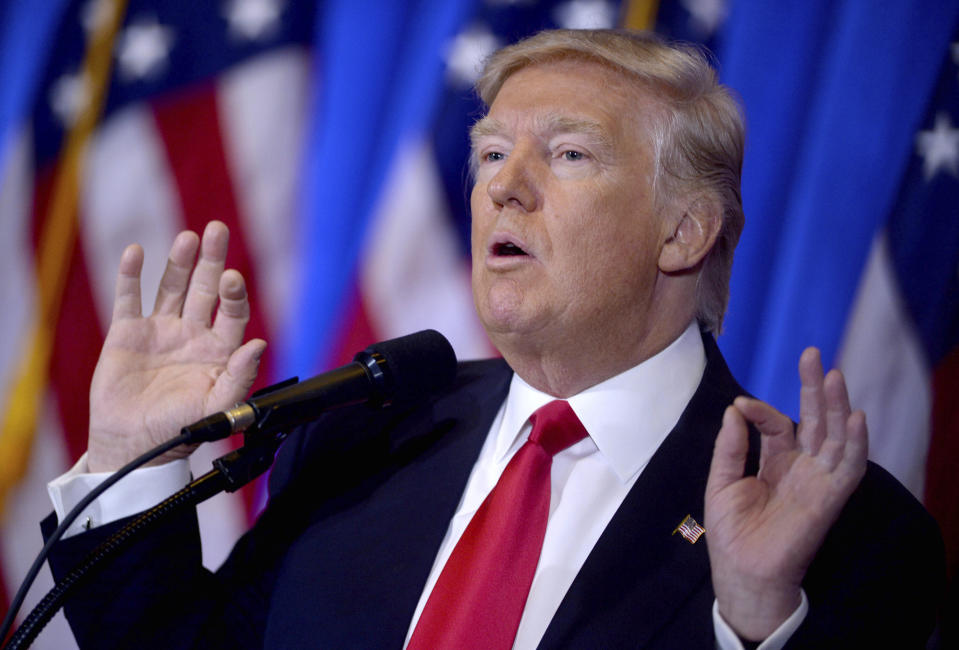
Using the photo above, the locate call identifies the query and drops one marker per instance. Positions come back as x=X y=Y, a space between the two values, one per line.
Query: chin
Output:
x=501 y=323
x=512 y=330
x=499 y=301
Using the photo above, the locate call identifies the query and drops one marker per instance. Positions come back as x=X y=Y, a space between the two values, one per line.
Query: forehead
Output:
x=571 y=95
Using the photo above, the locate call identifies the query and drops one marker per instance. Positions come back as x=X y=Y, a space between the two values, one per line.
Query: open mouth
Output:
x=507 y=249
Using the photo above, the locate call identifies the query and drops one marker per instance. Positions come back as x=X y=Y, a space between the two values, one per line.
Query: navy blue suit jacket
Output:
x=361 y=500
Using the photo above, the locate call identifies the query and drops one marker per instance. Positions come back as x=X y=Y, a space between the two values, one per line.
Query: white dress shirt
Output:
x=627 y=418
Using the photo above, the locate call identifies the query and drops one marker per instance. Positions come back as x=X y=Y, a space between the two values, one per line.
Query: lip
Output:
x=499 y=238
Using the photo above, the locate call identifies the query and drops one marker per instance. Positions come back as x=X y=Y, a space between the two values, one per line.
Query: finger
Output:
x=837 y=416
x=729 y=452
x=811 y=402
x=776 y=428
x=126 y=300
x=233 y=313
x=235 y=382
x=205 y=281
x=852 y=466
x=176 y=276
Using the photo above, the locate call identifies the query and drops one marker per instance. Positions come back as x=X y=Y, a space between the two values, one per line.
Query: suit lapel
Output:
x=639 y=574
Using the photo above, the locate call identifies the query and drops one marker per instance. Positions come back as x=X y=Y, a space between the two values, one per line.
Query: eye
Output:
x=494 y=156
x=571 y=155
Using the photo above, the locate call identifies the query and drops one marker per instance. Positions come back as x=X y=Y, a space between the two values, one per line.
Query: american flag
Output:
x=689 y=529
x=145 y=118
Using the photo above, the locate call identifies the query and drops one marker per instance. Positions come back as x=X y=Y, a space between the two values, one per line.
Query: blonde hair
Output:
x=698 y=140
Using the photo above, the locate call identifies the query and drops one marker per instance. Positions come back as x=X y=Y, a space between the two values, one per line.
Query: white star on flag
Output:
x=586 y=14
x=143 y=50
x=69 y=96
x=939 y=147
x=706 y=15
x=253 y=20
x=466 y=52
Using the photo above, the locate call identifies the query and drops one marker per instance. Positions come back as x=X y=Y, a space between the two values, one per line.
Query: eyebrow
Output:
x=485 y=126
x=551 y=123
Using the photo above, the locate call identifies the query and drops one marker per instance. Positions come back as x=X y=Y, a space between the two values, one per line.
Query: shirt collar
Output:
x=628 y=415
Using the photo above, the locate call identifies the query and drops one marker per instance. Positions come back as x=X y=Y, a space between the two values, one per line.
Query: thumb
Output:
x=234 y=384
x=729 y=452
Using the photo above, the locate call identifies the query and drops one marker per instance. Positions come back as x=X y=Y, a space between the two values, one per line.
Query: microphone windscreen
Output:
x=418 y=364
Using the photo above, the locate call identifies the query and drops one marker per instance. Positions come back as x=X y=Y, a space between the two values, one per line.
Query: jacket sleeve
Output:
x=879 y=578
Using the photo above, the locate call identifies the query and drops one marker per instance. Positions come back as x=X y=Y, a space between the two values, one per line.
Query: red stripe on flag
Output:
x=942 y=480
x=78 y=334
x=190 y=129
x=76 y=346
x=356 y=331
x=189 y=126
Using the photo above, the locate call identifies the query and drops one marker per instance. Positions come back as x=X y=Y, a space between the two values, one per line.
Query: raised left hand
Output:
x=763 y=531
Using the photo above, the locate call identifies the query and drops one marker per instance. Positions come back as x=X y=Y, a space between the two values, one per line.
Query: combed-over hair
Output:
x=698 y=139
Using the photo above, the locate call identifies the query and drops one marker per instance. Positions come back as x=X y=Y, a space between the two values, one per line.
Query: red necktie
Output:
x=479 y=597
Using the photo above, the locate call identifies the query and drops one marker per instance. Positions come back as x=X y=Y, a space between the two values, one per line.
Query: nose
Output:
x=515 y=184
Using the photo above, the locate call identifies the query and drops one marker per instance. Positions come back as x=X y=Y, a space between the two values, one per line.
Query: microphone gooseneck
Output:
x=396 y=370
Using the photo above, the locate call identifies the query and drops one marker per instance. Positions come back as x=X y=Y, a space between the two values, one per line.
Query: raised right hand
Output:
x=765 y=530
x=159 y=373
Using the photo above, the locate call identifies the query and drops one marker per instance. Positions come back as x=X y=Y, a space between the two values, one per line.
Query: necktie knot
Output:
x=556 y=427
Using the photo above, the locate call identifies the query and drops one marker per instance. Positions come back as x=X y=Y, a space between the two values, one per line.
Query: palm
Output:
x=780 y=510
x=146 y=368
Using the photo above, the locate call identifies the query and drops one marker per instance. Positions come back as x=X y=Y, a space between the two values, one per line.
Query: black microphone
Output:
x=397 y=370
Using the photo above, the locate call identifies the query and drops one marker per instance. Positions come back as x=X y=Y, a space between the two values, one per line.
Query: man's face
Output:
x=565 y=235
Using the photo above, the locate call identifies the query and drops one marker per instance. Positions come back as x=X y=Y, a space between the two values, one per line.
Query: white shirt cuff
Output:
x=136 y=492
x=726 y=639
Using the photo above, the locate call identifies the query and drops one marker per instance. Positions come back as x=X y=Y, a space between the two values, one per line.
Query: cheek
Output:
x=476 y=219
x=619 y=245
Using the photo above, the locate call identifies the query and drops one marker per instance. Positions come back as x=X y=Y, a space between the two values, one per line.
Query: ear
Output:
x=693 y=235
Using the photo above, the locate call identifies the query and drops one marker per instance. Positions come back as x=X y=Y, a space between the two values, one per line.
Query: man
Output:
x=605 y=213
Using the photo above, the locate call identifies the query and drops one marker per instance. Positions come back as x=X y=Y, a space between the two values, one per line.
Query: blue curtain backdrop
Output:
x=834 y=93
x=26 y=29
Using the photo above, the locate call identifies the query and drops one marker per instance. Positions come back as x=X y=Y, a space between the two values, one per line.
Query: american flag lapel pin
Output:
x=689 y=529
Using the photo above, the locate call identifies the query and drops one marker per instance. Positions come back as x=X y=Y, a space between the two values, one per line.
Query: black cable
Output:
x=231 y=472
x=203 y=488
x=188 y=435
x=71 y=516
